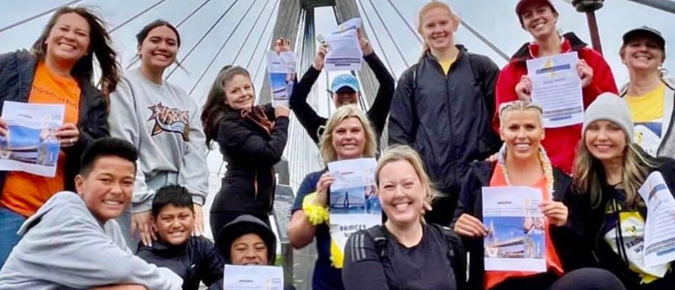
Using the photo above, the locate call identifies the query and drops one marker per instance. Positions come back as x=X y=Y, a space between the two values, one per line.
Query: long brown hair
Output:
x=589 y=173
x=100 y=45
x=215 y=106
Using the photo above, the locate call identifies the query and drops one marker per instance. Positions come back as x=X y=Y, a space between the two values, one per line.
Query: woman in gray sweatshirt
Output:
x=162 y=121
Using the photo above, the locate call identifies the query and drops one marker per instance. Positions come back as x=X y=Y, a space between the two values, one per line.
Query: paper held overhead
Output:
x=281 y=72
x=344 y=47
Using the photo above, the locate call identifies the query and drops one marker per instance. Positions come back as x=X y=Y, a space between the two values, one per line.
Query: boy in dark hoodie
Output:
x=195 y=258
x=248 y=241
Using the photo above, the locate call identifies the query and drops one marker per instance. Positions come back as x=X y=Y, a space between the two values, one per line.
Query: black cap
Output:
x=242 y=225
x=648 y=32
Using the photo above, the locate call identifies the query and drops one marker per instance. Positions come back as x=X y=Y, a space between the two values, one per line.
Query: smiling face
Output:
x=68 y=40
x=249 y=249
x=605 y=140
x=159 y=48
x=642 y=54
x=522 y=133
x=174 y=224
x=349 y=138
x=345 y=96
x=239 y=92
x=539 y=20
x=106 y=189
x=437 y=28
x=401 y=192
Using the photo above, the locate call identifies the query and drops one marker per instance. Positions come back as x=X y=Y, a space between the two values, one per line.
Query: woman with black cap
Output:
x=248 y=241
x=649 y=94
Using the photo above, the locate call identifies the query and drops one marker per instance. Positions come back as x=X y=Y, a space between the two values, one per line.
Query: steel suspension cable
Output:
x=36 y=16
x=377 y=39
x=136 y=58
x=389 y=33
x=153 y=6
x=215 y=56
x=203 y=37
x=262 y=34
x=405 y=21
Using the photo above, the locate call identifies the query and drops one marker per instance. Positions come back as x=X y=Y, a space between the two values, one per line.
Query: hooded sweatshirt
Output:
x=65 y=247
x=162 y=121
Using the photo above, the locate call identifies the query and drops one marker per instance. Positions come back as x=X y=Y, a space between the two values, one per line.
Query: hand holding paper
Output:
x=555 y=211
x=470 y=226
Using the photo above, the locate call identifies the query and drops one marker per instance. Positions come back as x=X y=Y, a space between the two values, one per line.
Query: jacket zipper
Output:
x=255 y=184
x=447 y=90
x=670 y=127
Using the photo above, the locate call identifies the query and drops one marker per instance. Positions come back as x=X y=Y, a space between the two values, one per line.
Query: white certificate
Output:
x=344 y=47
x=659 y=240
x=253 y=278
x=281 y=72
x=556 y=87
x=30 y=144
x=516 y=239
x=353 y=200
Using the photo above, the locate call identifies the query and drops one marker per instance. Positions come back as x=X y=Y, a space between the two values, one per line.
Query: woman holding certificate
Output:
x=539 y=18
x=614 y=173
x=405 y=252
x=348 y=135
x=59 y=69
x=522 y=161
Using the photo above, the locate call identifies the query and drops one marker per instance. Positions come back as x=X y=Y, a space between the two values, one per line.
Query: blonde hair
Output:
x=424 y=10
x=328 y=152
x=589 y=173
x=520 y=106
x=405 y=153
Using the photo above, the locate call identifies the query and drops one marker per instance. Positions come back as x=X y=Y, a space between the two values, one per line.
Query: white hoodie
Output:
x=65 y=247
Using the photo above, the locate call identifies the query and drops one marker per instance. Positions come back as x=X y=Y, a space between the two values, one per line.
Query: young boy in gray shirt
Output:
x=73 y=241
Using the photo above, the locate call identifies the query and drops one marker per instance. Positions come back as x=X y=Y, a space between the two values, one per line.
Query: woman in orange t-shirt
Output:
x=58 y=70
x=554 y=235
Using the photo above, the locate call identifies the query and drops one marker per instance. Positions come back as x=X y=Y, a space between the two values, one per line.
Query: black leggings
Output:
x=581 y=279
x=218 y=219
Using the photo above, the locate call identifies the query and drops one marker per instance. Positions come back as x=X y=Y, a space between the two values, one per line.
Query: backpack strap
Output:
x=455 y=253
x=377 y=234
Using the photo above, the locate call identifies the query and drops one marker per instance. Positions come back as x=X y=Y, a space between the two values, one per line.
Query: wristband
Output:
x=316 y=214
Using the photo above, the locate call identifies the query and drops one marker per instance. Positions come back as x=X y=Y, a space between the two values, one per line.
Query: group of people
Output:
x=124 y=209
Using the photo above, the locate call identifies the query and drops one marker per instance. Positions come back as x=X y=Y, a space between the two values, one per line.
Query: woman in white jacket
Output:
x=649 y=94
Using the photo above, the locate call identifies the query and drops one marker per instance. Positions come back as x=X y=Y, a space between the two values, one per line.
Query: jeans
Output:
x=10 y=222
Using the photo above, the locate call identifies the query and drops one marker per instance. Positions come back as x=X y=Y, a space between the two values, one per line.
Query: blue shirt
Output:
x=325 y=275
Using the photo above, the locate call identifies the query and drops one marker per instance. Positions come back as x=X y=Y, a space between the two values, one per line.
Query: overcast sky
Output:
x=495 y=19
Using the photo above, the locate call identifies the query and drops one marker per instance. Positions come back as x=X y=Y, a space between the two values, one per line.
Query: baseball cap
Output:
x=522 y=4
x=645 y=31
x=344 y=80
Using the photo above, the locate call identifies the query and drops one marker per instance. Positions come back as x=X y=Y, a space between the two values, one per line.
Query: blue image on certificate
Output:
x=348 y=201
x=30 y=145
x=515 y=237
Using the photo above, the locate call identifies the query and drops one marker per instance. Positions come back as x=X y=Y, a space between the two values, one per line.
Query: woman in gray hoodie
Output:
x=162 y=121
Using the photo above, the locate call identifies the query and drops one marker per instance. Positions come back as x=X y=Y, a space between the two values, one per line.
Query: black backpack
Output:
x=455 y=253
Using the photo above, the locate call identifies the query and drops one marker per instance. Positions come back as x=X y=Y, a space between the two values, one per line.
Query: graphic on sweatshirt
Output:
x=170 y=120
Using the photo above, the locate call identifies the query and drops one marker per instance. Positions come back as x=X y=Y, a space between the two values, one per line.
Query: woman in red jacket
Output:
x=539 y=18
